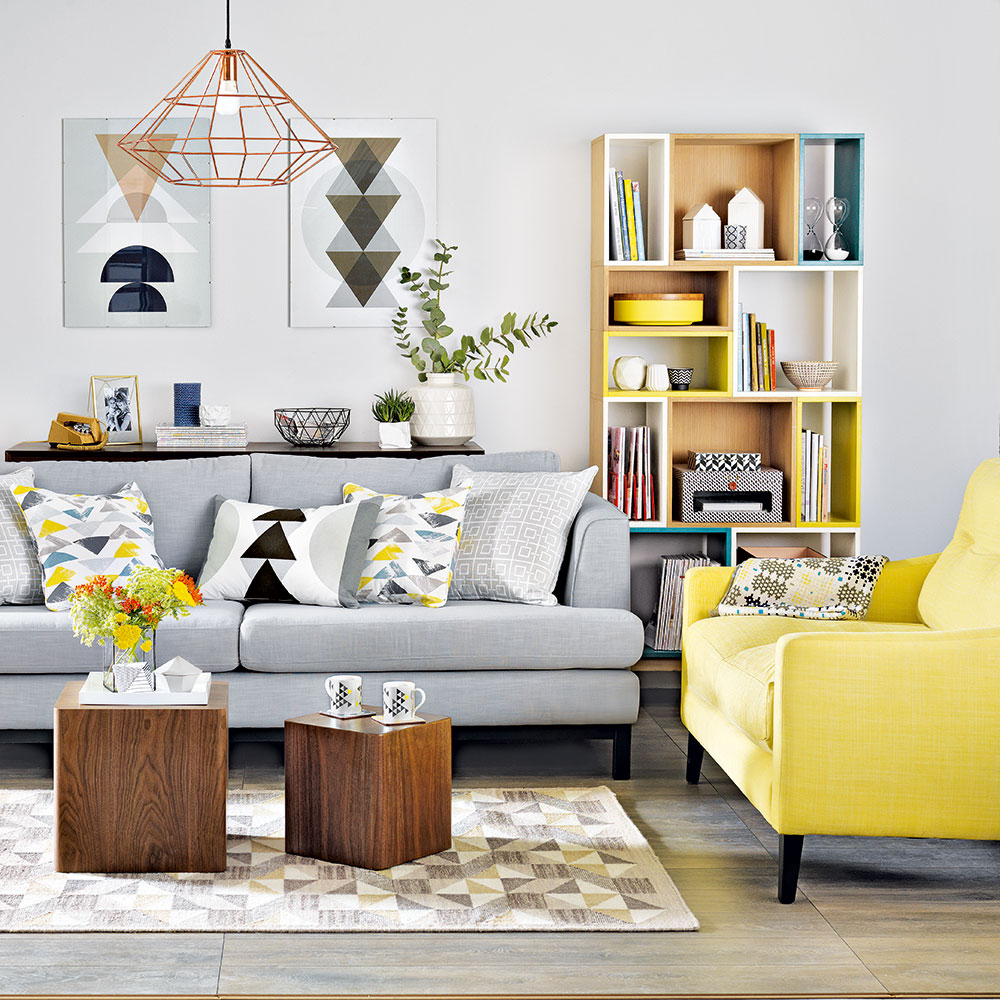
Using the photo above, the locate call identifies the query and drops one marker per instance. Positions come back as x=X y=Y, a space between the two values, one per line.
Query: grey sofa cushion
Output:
x=478 y=698
x=181 y=495
x=34 y=640
x=465 y=635
x=597 y=568
x=302 y=481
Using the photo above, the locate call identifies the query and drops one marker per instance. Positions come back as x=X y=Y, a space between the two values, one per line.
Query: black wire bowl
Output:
x=312 y=425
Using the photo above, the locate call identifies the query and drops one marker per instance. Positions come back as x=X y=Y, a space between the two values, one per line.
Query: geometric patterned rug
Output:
x=521 y=859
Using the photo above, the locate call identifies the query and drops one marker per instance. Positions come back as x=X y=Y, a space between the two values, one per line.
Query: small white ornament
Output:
x=629 y=372
x=702 y=228
x=746 y=209
x=214 y=416
x=178 y=674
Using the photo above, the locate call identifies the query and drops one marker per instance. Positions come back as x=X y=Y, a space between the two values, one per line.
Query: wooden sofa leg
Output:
x=789 y=858
x=621 y=753
x=696 y=755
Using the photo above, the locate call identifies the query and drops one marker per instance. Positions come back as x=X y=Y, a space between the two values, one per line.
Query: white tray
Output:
x=94 y=692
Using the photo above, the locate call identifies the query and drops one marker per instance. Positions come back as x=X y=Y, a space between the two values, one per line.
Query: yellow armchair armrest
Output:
x=895 y=596
x=888 y=734
x=704 y=587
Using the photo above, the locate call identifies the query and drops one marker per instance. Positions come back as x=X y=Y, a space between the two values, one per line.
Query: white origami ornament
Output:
x=746 y=209
x=702 y=228
x=178 y=674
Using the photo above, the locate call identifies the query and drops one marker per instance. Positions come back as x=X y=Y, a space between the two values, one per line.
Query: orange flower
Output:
x=187 y=582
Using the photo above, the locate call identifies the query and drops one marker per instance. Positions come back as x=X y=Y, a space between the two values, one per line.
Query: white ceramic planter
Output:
x=395 y=435
x=445 y=413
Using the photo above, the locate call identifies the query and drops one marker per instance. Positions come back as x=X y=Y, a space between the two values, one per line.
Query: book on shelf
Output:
x=630 y=219
x=734 y=255
x=617 y=248
x=814 y=490
x=758 y=370
x=640 y=240
x=230 y=436
x=663 y=631
x=630 y=472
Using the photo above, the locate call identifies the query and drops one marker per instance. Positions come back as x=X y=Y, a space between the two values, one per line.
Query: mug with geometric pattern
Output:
x=345 y=695
x=398 y=700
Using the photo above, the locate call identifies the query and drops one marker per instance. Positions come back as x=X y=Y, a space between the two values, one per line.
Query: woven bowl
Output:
x=312 y=425
x=807 y=375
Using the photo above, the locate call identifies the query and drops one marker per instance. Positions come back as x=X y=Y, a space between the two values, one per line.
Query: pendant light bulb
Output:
x=228 y=101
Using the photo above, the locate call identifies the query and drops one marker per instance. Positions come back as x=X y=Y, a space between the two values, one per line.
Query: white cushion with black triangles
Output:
x=80 y=535
x=312 y=555
x=412 y=547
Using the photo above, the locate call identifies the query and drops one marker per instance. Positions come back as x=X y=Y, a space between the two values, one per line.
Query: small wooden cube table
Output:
x=362 y=794
x=140 y=788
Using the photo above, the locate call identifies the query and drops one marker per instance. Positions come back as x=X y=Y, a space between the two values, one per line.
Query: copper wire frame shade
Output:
x=240 y=132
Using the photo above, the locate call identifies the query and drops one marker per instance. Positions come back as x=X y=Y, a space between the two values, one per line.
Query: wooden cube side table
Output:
x=140 y=788
x=366 y=795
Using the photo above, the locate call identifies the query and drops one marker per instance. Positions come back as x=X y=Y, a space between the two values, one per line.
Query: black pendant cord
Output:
x=229 y=44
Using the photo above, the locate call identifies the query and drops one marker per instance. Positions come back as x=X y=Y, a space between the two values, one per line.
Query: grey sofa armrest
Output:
x=596 y=570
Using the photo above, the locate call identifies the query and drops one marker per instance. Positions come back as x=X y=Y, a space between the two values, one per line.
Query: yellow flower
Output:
x=120 y=617
x=183 y=594
x=147 y=646
x=126 y=636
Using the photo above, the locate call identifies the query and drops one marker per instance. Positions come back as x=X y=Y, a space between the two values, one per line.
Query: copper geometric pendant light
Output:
x=235 y=127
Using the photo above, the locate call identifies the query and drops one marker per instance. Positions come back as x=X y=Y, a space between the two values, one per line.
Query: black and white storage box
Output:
x=724 y=461
x=717 y=497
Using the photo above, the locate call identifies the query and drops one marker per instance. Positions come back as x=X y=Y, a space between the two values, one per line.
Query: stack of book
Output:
x=735 y=255
x=230 y=436
x=627 y=242
x=630 y=472
x=664 y=629
x=814 y=499
x=756 y=370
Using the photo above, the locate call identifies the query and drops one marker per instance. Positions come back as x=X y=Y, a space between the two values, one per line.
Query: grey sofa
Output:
x=483 y=663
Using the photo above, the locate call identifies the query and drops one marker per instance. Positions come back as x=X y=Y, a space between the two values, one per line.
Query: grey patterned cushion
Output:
x=515 y=531
x=20 y=571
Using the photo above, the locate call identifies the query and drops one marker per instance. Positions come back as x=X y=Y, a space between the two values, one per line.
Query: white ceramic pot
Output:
x=395 y=435
x=657 y=379
x=214 y=416
x=629 y=372
x=444 y=412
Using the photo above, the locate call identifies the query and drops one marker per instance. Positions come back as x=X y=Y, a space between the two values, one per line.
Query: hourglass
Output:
x=812 y=211
x=837 y=210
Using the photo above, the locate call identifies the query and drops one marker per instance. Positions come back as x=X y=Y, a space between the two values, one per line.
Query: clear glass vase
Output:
x=130 y=670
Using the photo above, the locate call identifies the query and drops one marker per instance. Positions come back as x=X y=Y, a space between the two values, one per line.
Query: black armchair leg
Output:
x=789 y=859
x=696 y=755
x=621 y=753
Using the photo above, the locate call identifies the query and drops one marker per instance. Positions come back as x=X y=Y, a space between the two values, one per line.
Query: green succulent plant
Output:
x=485 y=357
x=392 y=407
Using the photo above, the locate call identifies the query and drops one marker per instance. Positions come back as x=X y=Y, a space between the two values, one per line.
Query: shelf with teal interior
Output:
x=833 y=164
x=645 y=585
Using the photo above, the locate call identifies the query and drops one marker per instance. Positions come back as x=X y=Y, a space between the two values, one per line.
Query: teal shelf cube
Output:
x=833 y=164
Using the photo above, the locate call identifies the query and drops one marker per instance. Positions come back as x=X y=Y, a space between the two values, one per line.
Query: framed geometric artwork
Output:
x=114 y=400
x=368 y=210
x=136 y=250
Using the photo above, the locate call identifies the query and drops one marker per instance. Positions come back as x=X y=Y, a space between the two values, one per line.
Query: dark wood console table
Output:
x=39 y=451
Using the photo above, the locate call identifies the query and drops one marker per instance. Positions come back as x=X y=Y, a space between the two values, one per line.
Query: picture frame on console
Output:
x=114 y=400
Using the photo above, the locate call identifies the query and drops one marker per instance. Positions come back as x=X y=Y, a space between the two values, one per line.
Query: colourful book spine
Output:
x=630 y=217
x=616 y=248
x=752 y=346
x=745 y=325
x=623 y=214
x=637 y=205
x=774 y=377
x=826 y=484
x=759 y=350
x=765 y=356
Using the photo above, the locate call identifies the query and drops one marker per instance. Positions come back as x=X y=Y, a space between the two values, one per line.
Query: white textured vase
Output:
x=444 y=412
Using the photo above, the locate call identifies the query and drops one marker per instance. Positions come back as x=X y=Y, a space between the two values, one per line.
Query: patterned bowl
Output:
x=810 y=375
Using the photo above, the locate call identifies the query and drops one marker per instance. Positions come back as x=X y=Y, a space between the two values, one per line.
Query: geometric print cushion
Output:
x=825 y=589
x=79 y=536
x=20 y=574
x=514 y=538
x=412 y=546
x=307 y=556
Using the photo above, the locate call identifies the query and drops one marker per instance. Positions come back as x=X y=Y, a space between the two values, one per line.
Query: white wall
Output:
x=519 y=90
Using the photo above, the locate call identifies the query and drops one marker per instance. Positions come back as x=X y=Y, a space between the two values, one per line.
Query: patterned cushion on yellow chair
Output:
x=963 y=588
x=730 y=663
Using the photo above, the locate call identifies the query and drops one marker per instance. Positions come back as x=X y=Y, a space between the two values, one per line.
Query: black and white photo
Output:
x=114 y=400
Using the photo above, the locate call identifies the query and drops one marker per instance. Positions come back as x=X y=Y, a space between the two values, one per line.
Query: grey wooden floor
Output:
x=874 y=917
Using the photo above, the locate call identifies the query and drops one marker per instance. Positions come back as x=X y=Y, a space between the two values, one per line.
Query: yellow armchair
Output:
x=886 y=727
